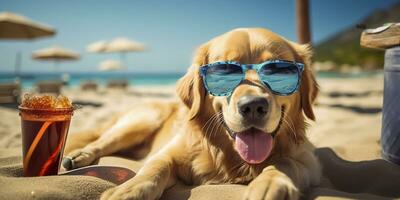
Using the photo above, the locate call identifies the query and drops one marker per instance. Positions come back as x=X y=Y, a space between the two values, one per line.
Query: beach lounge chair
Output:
x=89 y=85
x=51 y=86
x=10 y=92
x=117 y=84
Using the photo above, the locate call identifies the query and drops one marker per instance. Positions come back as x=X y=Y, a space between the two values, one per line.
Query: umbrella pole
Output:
x=18 y=59
x=122 y=58
x=56 y=63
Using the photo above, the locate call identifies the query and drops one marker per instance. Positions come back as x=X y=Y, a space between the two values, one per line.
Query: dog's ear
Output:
x=190 y=87
x=308 y=86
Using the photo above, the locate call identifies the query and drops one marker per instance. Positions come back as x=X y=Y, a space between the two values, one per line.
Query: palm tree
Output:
x=303 y=21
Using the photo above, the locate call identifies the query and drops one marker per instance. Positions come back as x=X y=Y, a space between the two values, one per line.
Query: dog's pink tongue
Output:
x=254 y=146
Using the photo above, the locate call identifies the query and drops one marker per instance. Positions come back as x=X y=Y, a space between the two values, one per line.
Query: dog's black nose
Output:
x=253 y=107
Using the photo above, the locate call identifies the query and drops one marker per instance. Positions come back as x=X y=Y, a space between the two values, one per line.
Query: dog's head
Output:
x=252 y=118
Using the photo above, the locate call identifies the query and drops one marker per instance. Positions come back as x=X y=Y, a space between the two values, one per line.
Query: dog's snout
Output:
x=253 y=107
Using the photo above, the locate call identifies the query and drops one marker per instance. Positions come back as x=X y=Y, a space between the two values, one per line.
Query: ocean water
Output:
x=28 y=80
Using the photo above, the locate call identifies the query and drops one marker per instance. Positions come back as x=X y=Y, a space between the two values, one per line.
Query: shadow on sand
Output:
x=373 y=179
x=351 y=94
x=151 y=94
x=357 y=109
x=357 y=180
x=87 y=103
x=9 y=105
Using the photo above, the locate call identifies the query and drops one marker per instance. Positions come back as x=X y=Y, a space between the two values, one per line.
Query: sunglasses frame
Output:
x=257 y=67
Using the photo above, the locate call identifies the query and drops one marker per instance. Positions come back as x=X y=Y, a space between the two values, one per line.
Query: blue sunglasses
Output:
x=280 y=76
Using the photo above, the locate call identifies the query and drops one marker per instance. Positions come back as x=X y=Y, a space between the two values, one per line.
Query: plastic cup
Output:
x=44 y=132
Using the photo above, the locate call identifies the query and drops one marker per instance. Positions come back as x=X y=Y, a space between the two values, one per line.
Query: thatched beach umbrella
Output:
x=56 y=54
x=18 y=27
x=96 y=47
x=110 y=65
x=14 y=26
x=118 y=45
x=123 y=45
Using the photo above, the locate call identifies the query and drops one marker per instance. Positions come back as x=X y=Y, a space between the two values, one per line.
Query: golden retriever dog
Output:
x=251 y=136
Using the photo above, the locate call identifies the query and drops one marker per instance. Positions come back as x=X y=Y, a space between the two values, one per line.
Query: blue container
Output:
x=390 y=138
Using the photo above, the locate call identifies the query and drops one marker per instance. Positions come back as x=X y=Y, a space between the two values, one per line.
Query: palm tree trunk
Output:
x=303 y=21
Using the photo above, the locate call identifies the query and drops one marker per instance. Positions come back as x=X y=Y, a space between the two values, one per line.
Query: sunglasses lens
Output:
x=223 y=78
x=282 y=78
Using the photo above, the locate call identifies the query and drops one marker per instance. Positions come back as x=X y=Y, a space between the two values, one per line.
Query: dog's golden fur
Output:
x=186 y=139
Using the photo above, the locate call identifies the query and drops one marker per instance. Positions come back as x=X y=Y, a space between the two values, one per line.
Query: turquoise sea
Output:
x=75 y=79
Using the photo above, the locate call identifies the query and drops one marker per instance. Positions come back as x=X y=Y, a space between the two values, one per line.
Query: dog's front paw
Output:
x=271 y=188
x=79 y=158
x=145 y=190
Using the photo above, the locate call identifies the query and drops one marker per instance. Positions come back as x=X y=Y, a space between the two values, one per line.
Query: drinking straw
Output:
x=49 y=161
x=36 y=141
x=50 y=137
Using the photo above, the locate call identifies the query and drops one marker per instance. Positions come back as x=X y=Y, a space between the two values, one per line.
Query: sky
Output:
x=171 y=29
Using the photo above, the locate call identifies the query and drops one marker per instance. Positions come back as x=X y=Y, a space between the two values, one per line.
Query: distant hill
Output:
x=344 y=46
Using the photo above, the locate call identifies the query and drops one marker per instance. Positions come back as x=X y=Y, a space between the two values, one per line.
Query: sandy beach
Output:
x=110 y=57
x=346 y=134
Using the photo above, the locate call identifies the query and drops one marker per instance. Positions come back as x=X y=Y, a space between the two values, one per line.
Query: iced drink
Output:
x=45 y=121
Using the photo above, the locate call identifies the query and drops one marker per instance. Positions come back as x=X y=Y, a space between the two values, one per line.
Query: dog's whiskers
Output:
x=207 y=125
x=208 y=122
x=211 y=123
x=216 y=125
x=291 y=127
